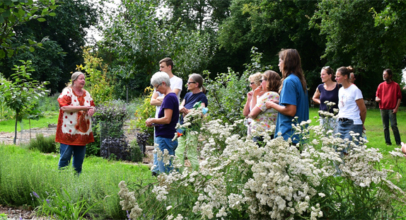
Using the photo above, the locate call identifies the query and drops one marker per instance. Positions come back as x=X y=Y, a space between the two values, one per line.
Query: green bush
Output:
x=136 y=154
x=227 y=92
x=143 y=112
x=43 y=144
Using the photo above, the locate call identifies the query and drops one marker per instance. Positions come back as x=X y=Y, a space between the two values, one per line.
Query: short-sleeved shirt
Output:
x=347 y=104
x=389 y=93
x=74 y=128
x=292 y=94
x=168 y=130
x=267 y=117
x=191 y=99
x=176 y=83
x=331 y=96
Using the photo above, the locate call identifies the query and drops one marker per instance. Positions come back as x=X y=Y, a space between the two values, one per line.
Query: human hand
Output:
x=91 y=111
x=257 y=91
x=148 y=122
x=395 y=111
x=269 y=104
x=249 y=95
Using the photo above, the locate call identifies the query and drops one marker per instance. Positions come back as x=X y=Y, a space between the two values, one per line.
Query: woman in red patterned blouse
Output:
x=74 y=128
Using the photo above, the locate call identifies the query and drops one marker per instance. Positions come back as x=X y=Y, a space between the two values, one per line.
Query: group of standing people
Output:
x=167 y=89
x=279 y=101
x=275 y=103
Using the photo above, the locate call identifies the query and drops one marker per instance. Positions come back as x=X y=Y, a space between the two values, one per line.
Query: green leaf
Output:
x=44 y=11
x=41 y=19
x=31 y=42
x=2 y=54
x=52 y=14
x=32 y=49
x=6 y=14
x=1 y=19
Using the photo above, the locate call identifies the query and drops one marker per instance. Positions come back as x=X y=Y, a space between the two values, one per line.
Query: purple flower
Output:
x=128 y=215
x=47 y=201
x=35 y=194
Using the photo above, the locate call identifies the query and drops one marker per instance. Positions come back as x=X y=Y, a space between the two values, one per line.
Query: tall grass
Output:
x=23 y=172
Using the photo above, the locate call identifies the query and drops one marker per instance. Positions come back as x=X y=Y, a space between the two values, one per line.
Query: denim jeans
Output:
x=166 y=144
x=328 y=123
x=344 y=128
x=387 y=115
x=66 y=152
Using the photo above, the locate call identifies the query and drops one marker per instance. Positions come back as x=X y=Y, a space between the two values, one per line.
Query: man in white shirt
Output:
x=165 y=65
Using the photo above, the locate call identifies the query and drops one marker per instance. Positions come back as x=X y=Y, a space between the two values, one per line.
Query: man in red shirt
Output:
x=388 y=96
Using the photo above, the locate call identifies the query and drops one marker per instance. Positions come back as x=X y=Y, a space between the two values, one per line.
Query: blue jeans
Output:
x=344 y=128
x=66 y=152
x=166 y=144
x=328 y=123
x=387 y=115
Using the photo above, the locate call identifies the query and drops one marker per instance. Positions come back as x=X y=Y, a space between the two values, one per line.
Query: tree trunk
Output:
x=15 y=131
x=127 y=94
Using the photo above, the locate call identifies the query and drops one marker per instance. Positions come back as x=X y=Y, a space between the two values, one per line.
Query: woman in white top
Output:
x=254 y=83
x=352 y=110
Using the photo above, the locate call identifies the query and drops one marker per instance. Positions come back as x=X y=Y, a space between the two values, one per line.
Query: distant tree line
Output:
x=210 y=35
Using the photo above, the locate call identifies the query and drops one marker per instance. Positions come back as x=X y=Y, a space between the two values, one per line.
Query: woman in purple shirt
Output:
x=168 y=117
x=327 y=92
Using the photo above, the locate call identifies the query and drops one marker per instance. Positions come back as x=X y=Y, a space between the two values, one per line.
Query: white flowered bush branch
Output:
x=238 y=179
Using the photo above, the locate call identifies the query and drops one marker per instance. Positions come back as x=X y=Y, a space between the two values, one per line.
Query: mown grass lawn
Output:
x=375 y=136
x=50 y=117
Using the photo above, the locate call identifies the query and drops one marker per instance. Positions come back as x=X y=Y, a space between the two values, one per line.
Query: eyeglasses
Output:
x=190 y=82
x=156 y=86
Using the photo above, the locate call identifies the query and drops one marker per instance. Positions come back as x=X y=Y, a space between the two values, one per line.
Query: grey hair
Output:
x=159 y=77
x=74 y=77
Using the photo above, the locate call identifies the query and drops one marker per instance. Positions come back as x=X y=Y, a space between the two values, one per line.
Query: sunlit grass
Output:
x=49 y=118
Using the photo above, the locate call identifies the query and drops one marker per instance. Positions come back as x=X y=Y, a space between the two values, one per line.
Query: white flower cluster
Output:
x=279 y=180
x=128 y=201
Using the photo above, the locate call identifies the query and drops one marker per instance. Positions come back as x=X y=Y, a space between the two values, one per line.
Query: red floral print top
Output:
x=74 y=128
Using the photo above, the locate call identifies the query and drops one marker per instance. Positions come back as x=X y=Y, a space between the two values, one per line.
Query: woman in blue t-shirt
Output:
x=165 y=123
x=293 y=100
x=327 y=92
x=186 y=140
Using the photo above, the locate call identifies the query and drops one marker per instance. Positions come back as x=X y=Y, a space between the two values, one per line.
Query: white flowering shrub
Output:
x=238 y=179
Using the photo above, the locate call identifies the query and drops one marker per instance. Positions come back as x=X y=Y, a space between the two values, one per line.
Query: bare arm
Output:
x=397 y=107
x=164 y=120
x=155 y=100
x=176 y=91
x=316 y=96
x=255 y=112
x=288 y=110
x=362 y=110
x=76 y=108
x=246 y=110
x=186 y=111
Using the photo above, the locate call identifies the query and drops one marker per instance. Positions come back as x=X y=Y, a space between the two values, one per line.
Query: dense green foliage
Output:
x=43 y=144
x=14 y=13
x=61 y=38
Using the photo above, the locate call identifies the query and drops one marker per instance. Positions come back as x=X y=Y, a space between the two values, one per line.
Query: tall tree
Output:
x=357 y=35
x=17 y=12
x=65 y=32
x=270 y=26
x=139 y=39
